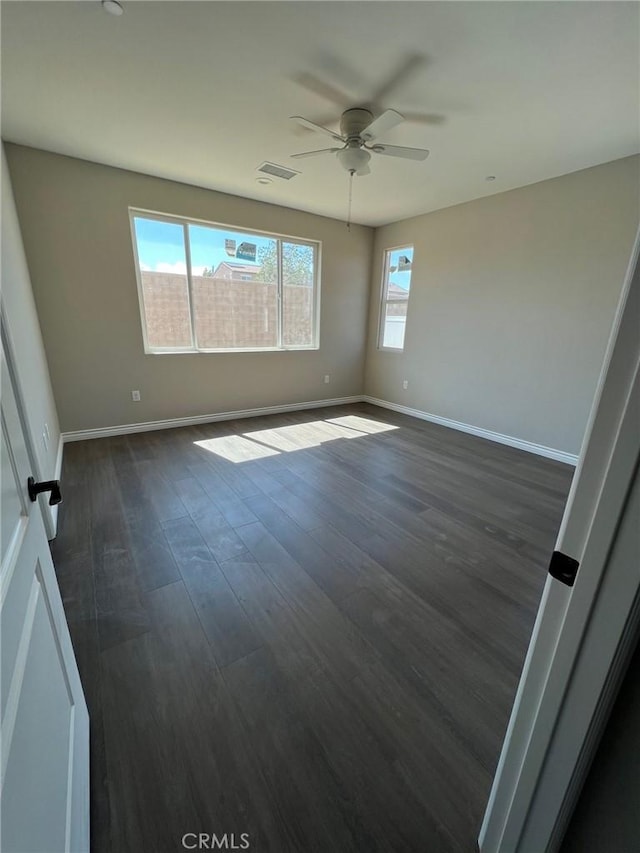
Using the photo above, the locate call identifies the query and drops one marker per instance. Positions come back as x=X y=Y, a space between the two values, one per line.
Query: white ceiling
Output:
x=201 y=92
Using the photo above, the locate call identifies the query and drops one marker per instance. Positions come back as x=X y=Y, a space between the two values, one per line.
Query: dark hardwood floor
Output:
x=304 y=627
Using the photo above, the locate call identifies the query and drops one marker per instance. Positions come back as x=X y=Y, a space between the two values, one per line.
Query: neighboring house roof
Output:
x=235 y=267
x=395 y=290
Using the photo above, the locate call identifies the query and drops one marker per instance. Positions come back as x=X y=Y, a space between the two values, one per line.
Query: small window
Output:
x=207 y=288
x=396 y=284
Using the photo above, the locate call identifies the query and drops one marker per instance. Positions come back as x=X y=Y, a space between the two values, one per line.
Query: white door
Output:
x=45 y=724
x=583 y=634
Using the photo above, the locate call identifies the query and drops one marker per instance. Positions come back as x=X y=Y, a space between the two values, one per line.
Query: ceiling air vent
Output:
x=278 y=171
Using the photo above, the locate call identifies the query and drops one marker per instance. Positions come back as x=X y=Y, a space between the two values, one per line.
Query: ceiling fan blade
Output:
x=380 y=125
x=318 y=128
x=365 y=170
x=401 y=151
x=313 y=153
x=424 y=118
x=320 y=87
x=402 y=73
x=337 y=67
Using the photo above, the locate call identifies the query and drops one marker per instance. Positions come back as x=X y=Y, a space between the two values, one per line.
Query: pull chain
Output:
x=351 y=173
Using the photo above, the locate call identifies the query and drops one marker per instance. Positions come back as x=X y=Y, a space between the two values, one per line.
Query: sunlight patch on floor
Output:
x=235 y=448
x=302 y=436
x=261 y=443
x=362 y=424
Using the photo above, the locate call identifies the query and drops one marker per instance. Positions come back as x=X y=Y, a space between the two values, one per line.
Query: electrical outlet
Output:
x=135 y=396
x=326 y=378
x=405 y=384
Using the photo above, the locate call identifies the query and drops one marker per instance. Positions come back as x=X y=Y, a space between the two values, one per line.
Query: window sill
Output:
x=228 y=351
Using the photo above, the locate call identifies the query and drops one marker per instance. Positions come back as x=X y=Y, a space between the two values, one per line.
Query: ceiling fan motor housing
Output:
x=354 y=121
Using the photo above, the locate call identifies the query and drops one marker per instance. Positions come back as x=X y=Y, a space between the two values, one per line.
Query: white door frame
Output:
x=583 y=635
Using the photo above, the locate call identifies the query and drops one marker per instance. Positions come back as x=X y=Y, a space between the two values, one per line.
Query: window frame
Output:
x=384 y=299
x=185 y=221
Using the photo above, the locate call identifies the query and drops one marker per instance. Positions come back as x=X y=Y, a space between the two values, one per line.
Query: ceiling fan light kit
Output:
x=354 y=159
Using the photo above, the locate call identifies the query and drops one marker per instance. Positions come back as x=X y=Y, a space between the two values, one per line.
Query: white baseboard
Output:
x=511 y=441
x=170 y=423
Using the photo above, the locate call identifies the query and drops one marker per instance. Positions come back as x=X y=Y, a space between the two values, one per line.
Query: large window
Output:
x=206 y=287
x=396 y=284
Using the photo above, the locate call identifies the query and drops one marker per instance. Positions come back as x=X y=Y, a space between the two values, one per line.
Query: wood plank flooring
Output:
x=304 y=627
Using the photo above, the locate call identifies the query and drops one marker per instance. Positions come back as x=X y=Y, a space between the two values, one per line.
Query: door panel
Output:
x=36 y=735
x=45 y=725
x=10 y=506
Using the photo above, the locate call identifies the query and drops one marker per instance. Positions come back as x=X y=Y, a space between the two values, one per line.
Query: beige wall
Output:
x=74 y=219
x=511 y=304
x=27 y=350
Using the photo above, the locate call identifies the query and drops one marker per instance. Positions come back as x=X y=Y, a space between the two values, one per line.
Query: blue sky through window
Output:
x=401 y=278
x=161 y=246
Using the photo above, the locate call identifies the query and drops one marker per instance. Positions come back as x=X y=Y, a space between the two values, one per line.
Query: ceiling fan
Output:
x=373 y=99
x=358 y=129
